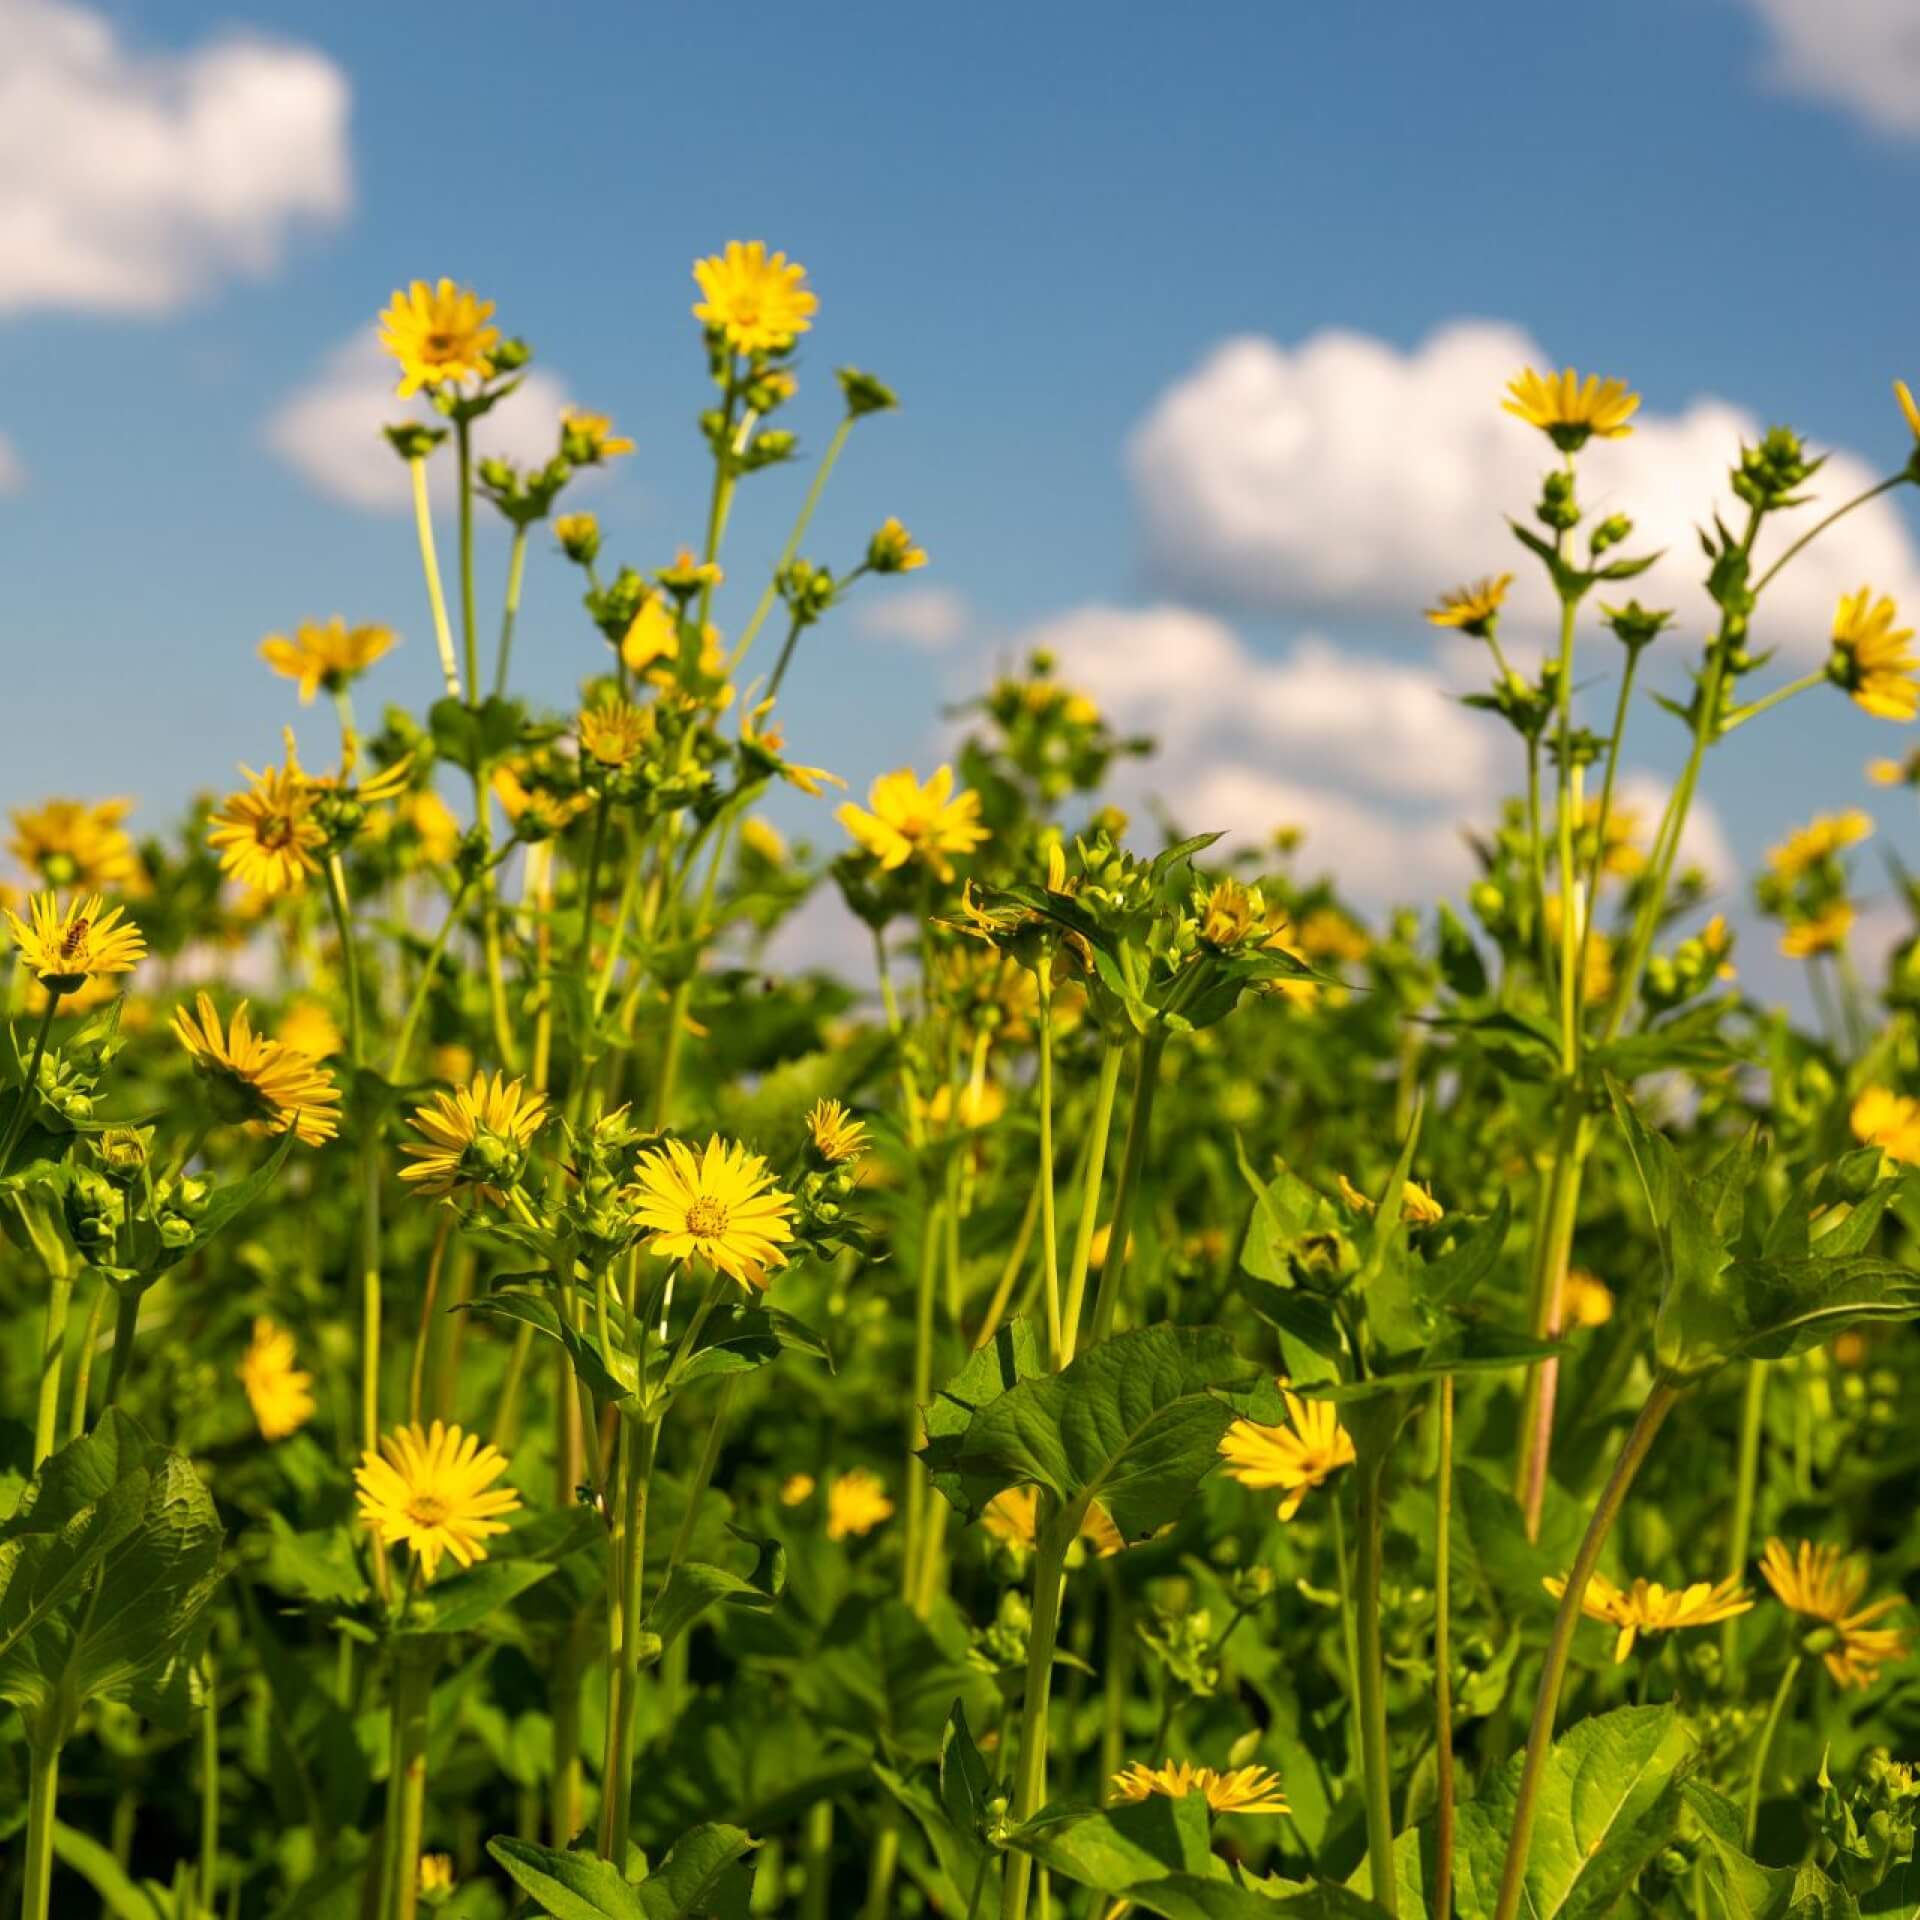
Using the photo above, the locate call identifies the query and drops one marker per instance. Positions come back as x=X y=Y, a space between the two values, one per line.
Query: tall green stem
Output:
x=1443 y=1655
x=1571 y=916
x=1049 y=1575
x=424 y=986
x=510 y=610
x=1753 y=1422
x=617 y=1813
x=1050 y=1243
x=407 y=1788
x=210 y=1786
x=430 y=566
x=1098 y=1130
x=1349 y=1630
x=1659 y=1403
x=771 y=591
x=469 y=625
x=53 y=1351
x=1764 y=1751
x=1376 y=1776
x=349 y=955
x=43 y=1789
x=1139 y=1124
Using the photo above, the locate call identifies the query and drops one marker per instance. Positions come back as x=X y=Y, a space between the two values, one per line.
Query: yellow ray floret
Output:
x=76 y=843
x=756 y=301
x=836 y=1135
x=325 y=656
x=1472 y=609
x=904 y=820
x=1014 y=1515
x=433 y=1491
x=1871 y=658
x=1568 y=409
x=280 y=1395
x=268 y=1083
x=267 y=837
x=721 y=1208
x=474 y=1139
x=1824 y=1585
x=1244 y=1790
x=438 y=333
x=857 y=1502
x=1648 y=1607
x=1295 y=1458
x=64 y=950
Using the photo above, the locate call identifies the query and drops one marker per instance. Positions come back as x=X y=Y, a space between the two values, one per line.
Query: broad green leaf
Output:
x=885 y=1677
x=1117 y=1849
x=959 y=1858
x=122 y=1896
x=569 y=1886
x=228 y=1203
x=740 y=1338
x=1787 y=1306
x=1448 y=1278
x=1012 y=1355
x=468 y=1600
x=694 y=1877
x=966 y=1783
x=694 y=1586
x=1134 y=1423
x=537 y=1308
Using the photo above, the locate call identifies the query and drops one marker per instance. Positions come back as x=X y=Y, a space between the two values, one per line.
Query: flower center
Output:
x=275 y=831
x=427 y=1510
x=706 y=1219
x=438 y=345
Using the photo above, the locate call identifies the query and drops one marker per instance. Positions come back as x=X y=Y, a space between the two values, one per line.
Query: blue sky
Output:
x=1034 y=221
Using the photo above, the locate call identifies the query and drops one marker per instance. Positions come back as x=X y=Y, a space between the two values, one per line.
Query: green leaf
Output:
x=1117 y=1849
x=1135 y=1423
x=470 y=736
x=569 y=1886
x=739 y=1339
x=468 y=1600
x=1012 y=1355
x=1461 y=966
x=695 y=1873
x=227 y=1204
x=536 y=1308
x=122 y=1896
x=694 y=1586
x=1450 y=1277
x=888 y=1678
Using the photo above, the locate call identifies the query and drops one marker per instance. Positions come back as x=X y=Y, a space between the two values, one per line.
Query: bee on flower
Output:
x=65 y=948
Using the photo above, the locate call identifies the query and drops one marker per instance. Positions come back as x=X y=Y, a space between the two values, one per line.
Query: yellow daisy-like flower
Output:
x=857 y=1502
x=796 y=1488
x=613 y=734
x=768 y=746
x=1823 y=932
x=76 y=843
x=764 y=840
x=1648 y=1607
x=1872 y=660
x=1824 y=1585
x=721 y=1208
x=536 y=814
x=579 y=537
x=267 y=1083
x=280 y=1395
x=324 y=657
x=836 y=1135
x=588 y=439
x=1890 y=1121
x=756 y=301
x=1418 y=1207
x=1895 y=773
x=980 y=1104
x=1585 y=1300
x=1245 y=1790
x=652 y=636
x=904 y=820
x=892 y=550
x=267 y=837
x=307 y=1027
x=1823 y=836
x=1472 y=609
x=1295 y=1458
x=64 y=950
x=1013 y=1516
x=474 y=1140
x=1327 y=934
x=433 y=1491
x=1230 y=913
x=436 y=1873
x=1568 y=410
x=438 y=333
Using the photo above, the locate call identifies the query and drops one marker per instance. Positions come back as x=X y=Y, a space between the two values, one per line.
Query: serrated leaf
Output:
x=695 y=1586
x=568 y=1886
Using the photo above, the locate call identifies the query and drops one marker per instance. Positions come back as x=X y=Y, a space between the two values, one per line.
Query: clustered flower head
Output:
x=431 y=1490
x=65 y=948
x=1473 y=609
x=1569 y=410
x=279 y=1393
x=257 y=1080
x=720 y=1207
x=1890 y=1121
x=905 y=819
x=1872 y=659
x=325 y=656
x=76 y=843
x=474 y=1140
x=439 y=334
x=754 y=300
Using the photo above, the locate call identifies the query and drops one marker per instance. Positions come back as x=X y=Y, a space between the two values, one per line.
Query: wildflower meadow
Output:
x=1160 y=1393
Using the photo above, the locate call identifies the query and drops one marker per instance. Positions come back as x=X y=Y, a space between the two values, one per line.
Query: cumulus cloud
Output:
x=131 y=180
x=1863 y=55
x=329 y=431
x=932 y=619
x=13 y=470
x=1347 y=474
x=1703 y=840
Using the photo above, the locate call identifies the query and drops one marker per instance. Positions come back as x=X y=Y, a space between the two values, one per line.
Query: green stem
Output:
x=920 y=1392
x=1820 y=526
x=370 y=1302
x=43 y=1788
x=563 y=1705
x=1049 y=1243
x=424 y=986
x=83 y=1365
x=469 y=627
x=1349 y=1631
x=1537 y=857
x=1443 y=1656
x=126 y=1325
x=209 y=1786
x=1113 y=1269
x=516 y=569
x=1053 y=1537
x=1597 y=866
x=429 y=1298
x=1659 y=1403
x=30 y=1086
x=1755 y=708
x=1099 y=1128
x=407 y=1792
x=1571 y=917
x=349 y=955
x=617 y=1814
x=430 y=565
x=771 y=591
x=1753 y=1417
x=817 y=1860
x=53 y=1353
x=1010 y=1271
x=596 y=849
x=1376 y=1775
x=786 y=655
x=1763 y=1752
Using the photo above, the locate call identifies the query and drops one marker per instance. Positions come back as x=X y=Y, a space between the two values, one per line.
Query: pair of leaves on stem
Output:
x=705 y=1874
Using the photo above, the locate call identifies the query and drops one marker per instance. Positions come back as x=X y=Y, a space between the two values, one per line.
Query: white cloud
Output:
x=329 y=431
x=1347 y=474
x=130 y=181
x=13 y=470
x=1863 y=55
x=1703 y=840
x=931 y=619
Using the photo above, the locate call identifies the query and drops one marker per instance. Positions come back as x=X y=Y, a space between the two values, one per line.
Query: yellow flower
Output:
x=267 y=837
x=1472 y=609
x=280 y=1395
x=981 y=1103
x=1907 y=408
x=1823 y=932
x=1890 y=1121
x=1823 y=836
x=755 y=300
x=904 y=820
x=1596 y=968
x=579 y=537
x=1326 y=934
x=689 y=574
x=325 y=658
x=474 y=1139
x=763 y=840
x=1568 y=409
x=836 y=1135
x=267 y=1083
x=430 y=1491
x=892 y=550
x=613 y=733
x=587 y=439
x=1895 y=773
x=795 y=1488
x=1230 y=913
x=72 y=843
x=856 y=1503
x=1871 y=660
x=1822 y=1584
x=722 y=1208
x=438 y=333
x=1418 y=1207
x=1246 y=1790
x=1296 y=1458
x=767 y=746
x=1013 y=1516
x=536 y=814
x=307 y=1027
x=436 y=1873
x=64 y=950
x=1648 y=1607
x=1585 y=1300
x=434 y=824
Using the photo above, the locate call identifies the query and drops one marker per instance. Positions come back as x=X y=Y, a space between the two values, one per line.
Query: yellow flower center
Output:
x=275 y=831
x=427 y=1510
x=439 y=344
x=706 y=1219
